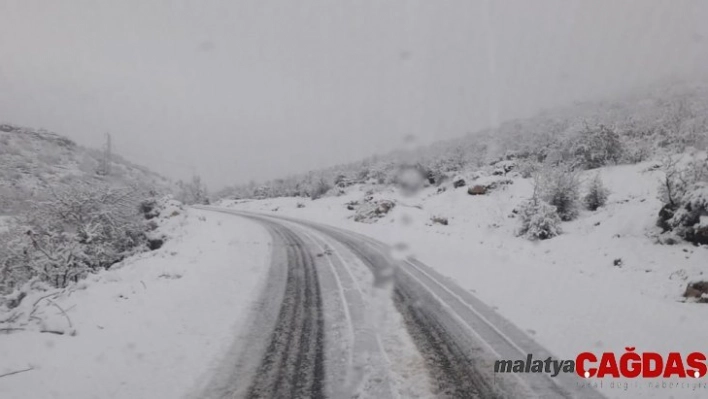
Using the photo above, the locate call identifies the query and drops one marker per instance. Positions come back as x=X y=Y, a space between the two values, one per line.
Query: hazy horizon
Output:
x=248 y=90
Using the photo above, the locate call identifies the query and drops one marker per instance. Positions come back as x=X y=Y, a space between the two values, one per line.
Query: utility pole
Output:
x=105 y=168
x=108 y=154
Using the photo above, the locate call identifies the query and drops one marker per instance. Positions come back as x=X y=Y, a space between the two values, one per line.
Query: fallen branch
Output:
x=44 y=297
x=16 y=372
x=11 y=329
x=11 y=318
x=52 y=332
x=62 y=311
x=35 y=308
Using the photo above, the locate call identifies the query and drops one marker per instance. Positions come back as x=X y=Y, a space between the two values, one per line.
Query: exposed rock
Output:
x=698 y=235
x=485 y=184
x=458 y=182
x=155 y=243
x=665 y=214
x=668 y=238
x=149 y=209
x=439 y=220
x=501 y=168
x=372 y=211
x=477 y=190
x=493 y=185
x=698 y=290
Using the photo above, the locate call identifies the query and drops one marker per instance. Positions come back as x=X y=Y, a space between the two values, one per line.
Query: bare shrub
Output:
x=528 y=167
x=319 y=188
x=193 y=192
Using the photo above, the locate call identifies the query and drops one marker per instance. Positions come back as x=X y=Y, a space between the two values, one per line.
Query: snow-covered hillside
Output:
x=34 y=162
x=658 y=120
x=603 y=284
x=156 y=325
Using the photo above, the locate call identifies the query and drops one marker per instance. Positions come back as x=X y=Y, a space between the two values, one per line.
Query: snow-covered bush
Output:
x=690 y=221
x=194 y=192
x=560 y=187
x=77 y=231
x=381 y=172
x=679 y=178
x=636 y=149
x=597 y=194
x=684 y=192
x=319 y=188
x=527 y=167
x=165 y=208
x=12 y=253
x=595 y=147
x=342 y=181
x=539 y=220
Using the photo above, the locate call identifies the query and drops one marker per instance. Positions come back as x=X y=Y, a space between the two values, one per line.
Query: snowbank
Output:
x=153 y=326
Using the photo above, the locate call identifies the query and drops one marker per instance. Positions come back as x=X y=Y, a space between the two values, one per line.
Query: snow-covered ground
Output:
x=4 y=223
x=603 y=285
x=156 y=325
x=162 y=321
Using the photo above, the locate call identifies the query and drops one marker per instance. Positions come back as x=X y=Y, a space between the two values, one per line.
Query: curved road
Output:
x=293 y=363
x=321 y=343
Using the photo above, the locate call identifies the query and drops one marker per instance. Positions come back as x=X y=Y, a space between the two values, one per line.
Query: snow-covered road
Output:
x=348 y=317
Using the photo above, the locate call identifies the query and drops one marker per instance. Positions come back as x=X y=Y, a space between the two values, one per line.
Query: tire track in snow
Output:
x=454 y=372
x=458 y=335
x=293 y=364
x=368 y=374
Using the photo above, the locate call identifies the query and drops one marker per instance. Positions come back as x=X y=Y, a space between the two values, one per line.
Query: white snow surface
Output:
x=5 y=222
x=158 y=324
x=566 y=292
x=154 y=326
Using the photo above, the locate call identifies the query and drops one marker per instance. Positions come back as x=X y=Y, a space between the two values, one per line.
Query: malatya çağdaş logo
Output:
x=630 y=364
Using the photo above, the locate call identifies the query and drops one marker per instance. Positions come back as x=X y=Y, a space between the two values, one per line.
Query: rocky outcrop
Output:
x=477 y=190
x=372 y=211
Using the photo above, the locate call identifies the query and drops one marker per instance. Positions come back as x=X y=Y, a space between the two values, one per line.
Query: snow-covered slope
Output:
x=603 y=284
x=157 y=324
x=665 y=118
x=34 y=161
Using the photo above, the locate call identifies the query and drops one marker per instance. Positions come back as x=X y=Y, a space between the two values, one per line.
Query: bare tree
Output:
x=193 y=192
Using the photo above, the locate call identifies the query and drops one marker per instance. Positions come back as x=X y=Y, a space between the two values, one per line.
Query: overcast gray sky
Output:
x=259 y=89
